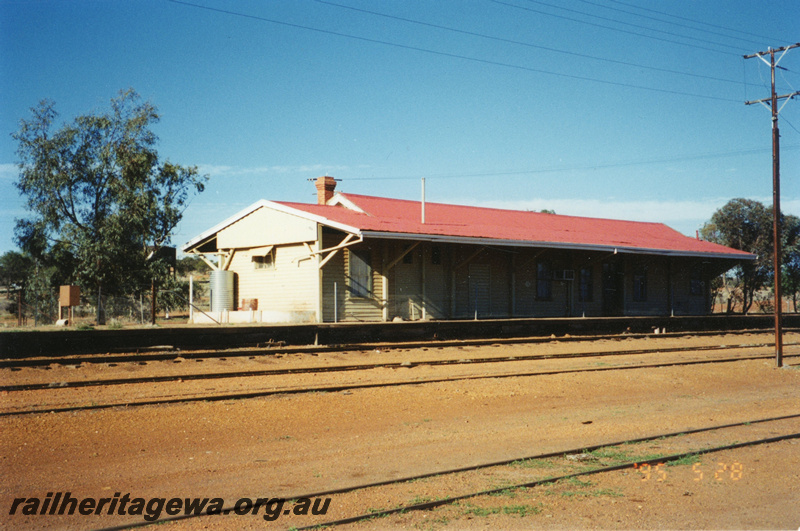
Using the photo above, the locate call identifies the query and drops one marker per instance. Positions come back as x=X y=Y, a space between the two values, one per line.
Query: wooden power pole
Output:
x=771 y=103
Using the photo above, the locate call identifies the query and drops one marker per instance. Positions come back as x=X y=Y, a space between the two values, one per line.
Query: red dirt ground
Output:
x=289 y=445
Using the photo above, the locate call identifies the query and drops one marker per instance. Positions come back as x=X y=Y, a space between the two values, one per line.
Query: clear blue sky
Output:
x=629 y=109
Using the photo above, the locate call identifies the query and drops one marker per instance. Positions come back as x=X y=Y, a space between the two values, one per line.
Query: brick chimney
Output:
x=325 y=187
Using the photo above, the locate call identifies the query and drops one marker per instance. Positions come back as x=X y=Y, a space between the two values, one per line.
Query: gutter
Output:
x=552 y=245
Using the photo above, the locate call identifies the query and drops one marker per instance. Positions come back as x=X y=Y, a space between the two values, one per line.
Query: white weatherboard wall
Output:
x=287 y=290
x=266 y=227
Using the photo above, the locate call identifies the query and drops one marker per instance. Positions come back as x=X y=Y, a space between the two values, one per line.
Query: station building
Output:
x=361 y=258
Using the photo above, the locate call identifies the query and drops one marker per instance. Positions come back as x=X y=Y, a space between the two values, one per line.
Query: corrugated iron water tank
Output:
x=221 y=290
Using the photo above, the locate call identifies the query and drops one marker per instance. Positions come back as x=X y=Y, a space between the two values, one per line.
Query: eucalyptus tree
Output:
x=100 y=199
x=746 y=224
x=790 y=239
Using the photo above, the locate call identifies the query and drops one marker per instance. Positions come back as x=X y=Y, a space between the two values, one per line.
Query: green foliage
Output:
x=686 y=460
x=790 y=272
x=748 y=225
x=14 y=271
x=744 y=224
x=522 y=510
x=518 y=510
x=616 y=455
x=417 y=500
x=578 y=482
x=40 y=297
x=611 y=453
x=189 y=265
x=99 y=198
x=741 y=224
x=535 y=463
x=582 y=492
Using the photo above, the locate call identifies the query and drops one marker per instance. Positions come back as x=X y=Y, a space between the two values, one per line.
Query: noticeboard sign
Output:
x=69 y=296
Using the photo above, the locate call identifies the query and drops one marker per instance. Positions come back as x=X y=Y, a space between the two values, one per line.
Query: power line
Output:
x=618 y=22
x=448 y=54
x=690 y=20
x=790 y=124
x=666 y=21
x=602 y=166
x=526 y=44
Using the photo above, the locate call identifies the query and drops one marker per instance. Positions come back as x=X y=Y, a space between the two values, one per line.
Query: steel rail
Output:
x=582 y=449
x=546 y=481
x=368 y=366
x=506 y=462
x=348 y=387
x=168 y=352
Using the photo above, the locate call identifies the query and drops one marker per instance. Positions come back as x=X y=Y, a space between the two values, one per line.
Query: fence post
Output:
x=101 y=319
x=191 y=298
x=153 y=301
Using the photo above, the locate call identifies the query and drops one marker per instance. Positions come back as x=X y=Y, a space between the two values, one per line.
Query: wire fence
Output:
x=41 y=309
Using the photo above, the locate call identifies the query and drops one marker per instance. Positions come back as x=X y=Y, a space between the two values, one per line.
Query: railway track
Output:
x=168 y=352
x=575 y=463
x=368 y=366
x=354 y=449
x=349 y=386
x=662 y=460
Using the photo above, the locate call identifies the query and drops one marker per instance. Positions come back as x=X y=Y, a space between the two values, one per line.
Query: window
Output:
x=436 y=255
x=640 y=285
x=360 y=277
x=544 y=281
x=408 y=258
x=696 y=284
x=586 y=288
x=265 y=261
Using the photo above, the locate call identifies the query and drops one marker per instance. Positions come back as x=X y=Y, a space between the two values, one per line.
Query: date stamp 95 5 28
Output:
x=720 y=472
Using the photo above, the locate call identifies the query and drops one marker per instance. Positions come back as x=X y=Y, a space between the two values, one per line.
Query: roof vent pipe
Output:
x=423 y=200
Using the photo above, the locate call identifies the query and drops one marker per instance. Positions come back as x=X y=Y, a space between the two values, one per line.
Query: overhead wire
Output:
x=516 y=6
x=691 y=20
x=522 y=43
x=602 y=166
x=790 y=125
x=502 y=64
x=449 y=54
x=783 y=77
x=666 y=21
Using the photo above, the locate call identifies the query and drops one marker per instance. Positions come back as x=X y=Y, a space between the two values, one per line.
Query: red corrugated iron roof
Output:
x=396 y=218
